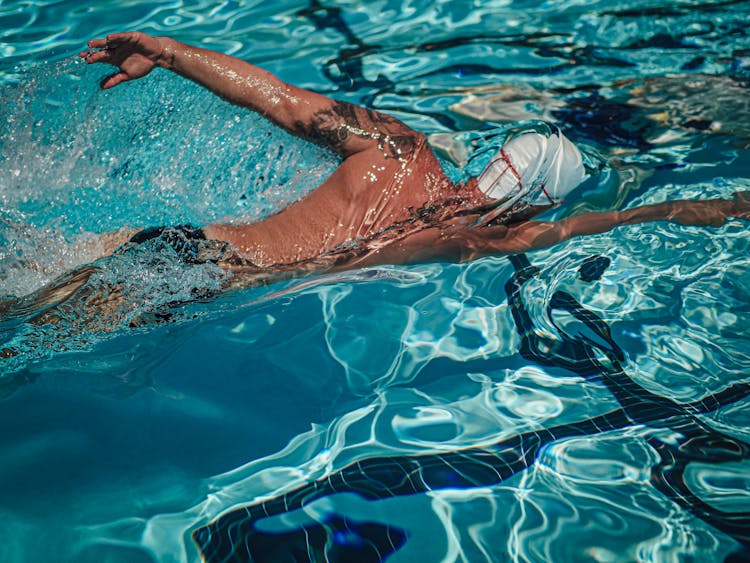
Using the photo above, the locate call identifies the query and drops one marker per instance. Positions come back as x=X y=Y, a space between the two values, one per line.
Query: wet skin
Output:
x=389 y=201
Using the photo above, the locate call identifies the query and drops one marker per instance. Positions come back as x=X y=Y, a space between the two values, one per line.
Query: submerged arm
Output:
x=541 y=234
x=461 y=244
x=344 y=127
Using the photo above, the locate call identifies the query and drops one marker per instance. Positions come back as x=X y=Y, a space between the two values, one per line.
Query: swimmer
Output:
x=389 y=201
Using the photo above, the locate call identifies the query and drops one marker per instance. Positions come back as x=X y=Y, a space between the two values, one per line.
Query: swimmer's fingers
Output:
x=113 y=80
x=117 y=46
x=99 y=43
x=102 y=56
x=98 y=50
x=134 y=53
x=114 y=40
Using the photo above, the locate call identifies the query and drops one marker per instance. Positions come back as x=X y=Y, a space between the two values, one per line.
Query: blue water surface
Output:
x=496 y=410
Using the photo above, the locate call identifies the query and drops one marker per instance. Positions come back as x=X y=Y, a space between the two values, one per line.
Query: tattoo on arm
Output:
x=343 y=126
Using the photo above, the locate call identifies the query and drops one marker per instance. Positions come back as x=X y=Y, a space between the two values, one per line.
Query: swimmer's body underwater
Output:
x=389 y=201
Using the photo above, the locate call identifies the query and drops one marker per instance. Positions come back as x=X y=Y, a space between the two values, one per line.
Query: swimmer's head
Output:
x=533 y=168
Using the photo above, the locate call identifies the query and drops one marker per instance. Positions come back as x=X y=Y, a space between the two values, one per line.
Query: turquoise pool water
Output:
x=500 y=410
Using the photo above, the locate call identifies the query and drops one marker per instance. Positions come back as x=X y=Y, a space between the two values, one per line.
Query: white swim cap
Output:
x=533 y=169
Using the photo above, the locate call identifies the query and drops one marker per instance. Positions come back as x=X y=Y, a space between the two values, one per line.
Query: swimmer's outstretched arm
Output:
x=541 y=234
x=459 y=244
x=344 y=127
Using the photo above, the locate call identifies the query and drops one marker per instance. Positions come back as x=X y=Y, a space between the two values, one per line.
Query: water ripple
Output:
x=655 y=94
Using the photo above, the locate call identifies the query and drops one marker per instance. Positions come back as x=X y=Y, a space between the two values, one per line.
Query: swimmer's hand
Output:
x=741 y=208
x=134 y=53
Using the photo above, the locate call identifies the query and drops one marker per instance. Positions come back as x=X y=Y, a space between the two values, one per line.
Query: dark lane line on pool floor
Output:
x=234 y=534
